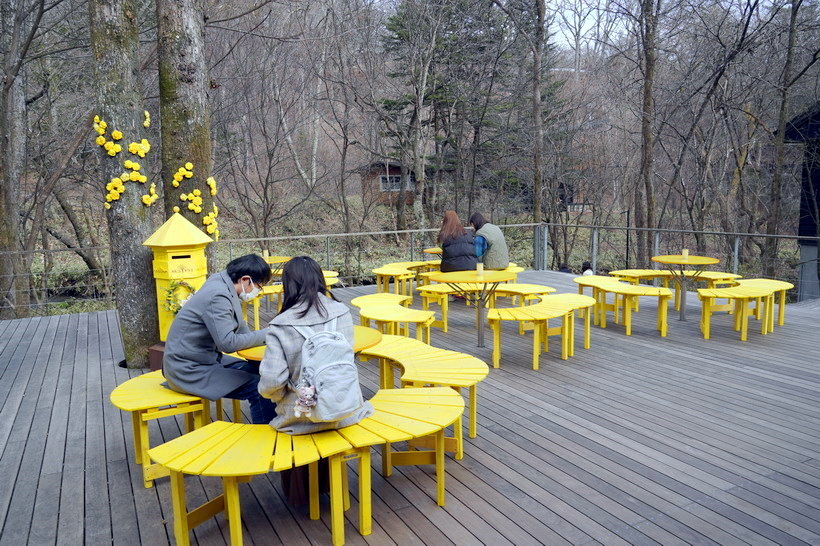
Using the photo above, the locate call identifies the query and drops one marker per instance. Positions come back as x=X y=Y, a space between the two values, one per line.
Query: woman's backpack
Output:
x=328 y=367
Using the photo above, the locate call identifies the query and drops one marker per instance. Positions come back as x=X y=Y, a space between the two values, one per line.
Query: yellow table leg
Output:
x=781 y=309
x=496 y=327
x=587 y=327
x=663 y=309
x=387 y=459
x=136 y=423
x=473 y=410
x=144 y=458
x=237 y=411
x=565 y=337
x=313 y=489
x=627 y=301
x=440 y=489
x=744 y=319
x=180 y=509
x=232 y=509
x=345 y=486
x=365 y=493
x=536 y=343
x=458 y=434
x=337 y=523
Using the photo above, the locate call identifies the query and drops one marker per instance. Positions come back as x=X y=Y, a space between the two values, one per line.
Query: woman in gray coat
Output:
x=305 y=305
x=211 y=324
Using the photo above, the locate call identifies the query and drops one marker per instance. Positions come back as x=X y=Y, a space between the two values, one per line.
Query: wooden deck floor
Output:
x=638 y=440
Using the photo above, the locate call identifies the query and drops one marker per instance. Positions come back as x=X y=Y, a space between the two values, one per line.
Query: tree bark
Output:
x=115 y=48
x=537 y=109
x=184 y=112
x=775 y=191
x=649 y=25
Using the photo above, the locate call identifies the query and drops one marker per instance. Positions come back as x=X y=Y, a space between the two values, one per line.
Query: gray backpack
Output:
x=329 y=368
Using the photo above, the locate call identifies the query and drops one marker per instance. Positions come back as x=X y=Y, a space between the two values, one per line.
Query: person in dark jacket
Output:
x=210 y=324
x=457 y=245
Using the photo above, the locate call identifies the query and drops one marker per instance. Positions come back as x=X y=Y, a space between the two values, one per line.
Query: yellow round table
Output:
x=488 y=280
x=680 y=276
x=363 y=338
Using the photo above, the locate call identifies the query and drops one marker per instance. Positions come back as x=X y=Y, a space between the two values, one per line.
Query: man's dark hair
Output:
x=477 y=220
x=252 y=265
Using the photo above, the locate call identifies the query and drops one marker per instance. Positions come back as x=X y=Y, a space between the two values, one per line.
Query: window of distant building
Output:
x=392 y=182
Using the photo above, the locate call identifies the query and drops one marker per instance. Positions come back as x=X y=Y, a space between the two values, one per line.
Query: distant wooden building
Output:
x=806 y=128
x=383 y=178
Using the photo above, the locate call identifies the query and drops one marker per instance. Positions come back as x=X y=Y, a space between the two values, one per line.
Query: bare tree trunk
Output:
x=184 y=112
x=649 y=26
x=115 y=47
x=18 y=23
x=537 y=109
x=775 y=192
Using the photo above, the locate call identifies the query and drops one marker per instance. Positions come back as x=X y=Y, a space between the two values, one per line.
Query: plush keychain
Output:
x=307 y=398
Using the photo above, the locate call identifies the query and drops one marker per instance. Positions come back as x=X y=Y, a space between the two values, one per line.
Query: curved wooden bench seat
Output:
x=399 y=274
x=146 y=399
x=741 y=295
x=712 y=278
x=624 y=297
x=422 y=364
x=395 y=319
x=538 y=316
x=237 y=452
x=380 y=298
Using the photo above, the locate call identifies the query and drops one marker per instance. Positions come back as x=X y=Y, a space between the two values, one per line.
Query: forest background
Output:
x=672 y=110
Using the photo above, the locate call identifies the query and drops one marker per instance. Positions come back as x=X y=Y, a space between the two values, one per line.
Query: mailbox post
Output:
x=180 y=265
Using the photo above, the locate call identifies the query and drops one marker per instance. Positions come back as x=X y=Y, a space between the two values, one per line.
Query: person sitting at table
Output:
x=305 y=304
x=210 y=324
x=457 y=245
x=490 y=245
x=586 y=269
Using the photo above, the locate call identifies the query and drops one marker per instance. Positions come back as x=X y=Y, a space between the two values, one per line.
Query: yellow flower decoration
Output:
x=107 y=206
x=176 y=209
x=100 y=140
x=183 y=197
x=125 y=177
x=108 y=145
x=189 y=165
x=197 y=193
x=135 y=166
x=147 y=121
x=103 y=125
x=117 y=148
x=96 y=119
x=116 y=135
x=188 y=174
x=177 y=178
x=112 y=152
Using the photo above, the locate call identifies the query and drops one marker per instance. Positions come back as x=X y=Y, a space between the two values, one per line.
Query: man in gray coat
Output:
x=211 y=324
x=491 y=247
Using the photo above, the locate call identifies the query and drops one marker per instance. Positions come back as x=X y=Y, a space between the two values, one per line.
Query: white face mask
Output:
x=248 y=296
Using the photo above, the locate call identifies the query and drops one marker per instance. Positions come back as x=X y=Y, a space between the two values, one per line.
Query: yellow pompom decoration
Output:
x=176 y=209
x=188 y=174
x=107 y=206
x=96 y=119
x=189 y=165
x=108 y=145
x=103 y=125
x=100 y=140
x=116 y=135
x=184 y=197
x=174 y=183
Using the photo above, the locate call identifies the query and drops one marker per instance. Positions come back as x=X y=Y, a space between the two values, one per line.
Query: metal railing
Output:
x=61 y=282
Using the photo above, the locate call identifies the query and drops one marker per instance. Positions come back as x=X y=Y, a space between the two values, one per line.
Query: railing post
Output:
x=412 y=246
x=594 y=256
x=656 y=248
x=736 y=256
x=230 y=251
x=546 y=251
x=536 y=248
x=327 y=253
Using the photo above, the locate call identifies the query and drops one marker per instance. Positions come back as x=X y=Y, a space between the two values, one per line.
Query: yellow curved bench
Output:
x=401 y=276
x=379 y=298
x=423 y=364
x=237 y=452
x=538 y=316
x=628 y=295
x=395 y=319
x=146 y=399
x=740 y=296
x=712 y=278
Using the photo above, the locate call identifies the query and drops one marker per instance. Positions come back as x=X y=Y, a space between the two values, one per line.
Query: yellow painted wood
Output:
x=304 y=450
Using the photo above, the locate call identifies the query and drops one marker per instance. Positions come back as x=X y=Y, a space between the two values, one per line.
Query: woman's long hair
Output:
x=302 y=281
x=450 y=227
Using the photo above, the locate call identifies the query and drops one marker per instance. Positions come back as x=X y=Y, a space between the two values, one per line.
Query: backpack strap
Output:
x=306 y=331
x=331 y=326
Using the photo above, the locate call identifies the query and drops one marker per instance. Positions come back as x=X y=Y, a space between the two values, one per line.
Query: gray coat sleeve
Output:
x=222 y=325
x=273 y=371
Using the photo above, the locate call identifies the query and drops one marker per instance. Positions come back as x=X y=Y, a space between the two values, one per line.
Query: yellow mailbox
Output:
x=180 y=266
